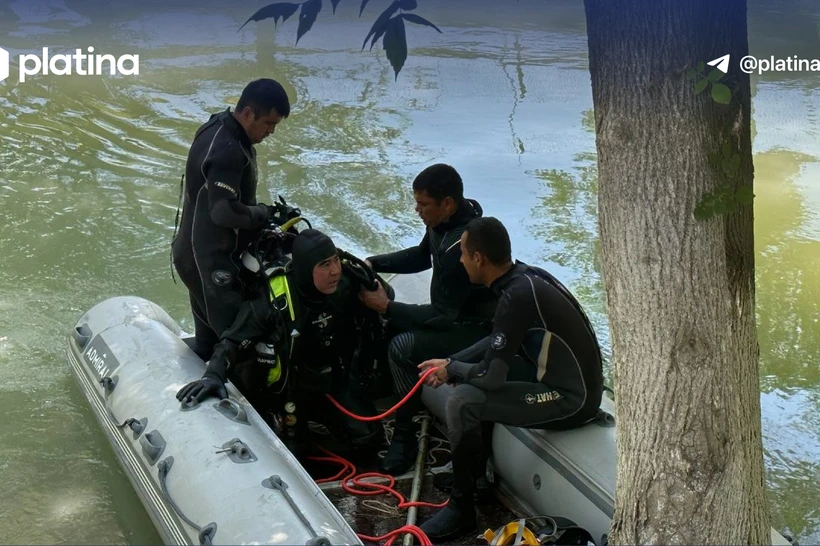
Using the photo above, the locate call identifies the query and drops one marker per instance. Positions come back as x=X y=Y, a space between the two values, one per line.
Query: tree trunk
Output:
x=680 y=291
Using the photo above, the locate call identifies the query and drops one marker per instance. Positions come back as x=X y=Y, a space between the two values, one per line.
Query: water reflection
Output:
x=792 y=442
x=566 y=219
x=783 y=30
x=788 y=271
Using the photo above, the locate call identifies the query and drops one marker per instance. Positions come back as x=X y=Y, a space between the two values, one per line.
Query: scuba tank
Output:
x=272 y=246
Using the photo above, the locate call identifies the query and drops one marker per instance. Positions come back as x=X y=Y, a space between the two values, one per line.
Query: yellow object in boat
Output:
x=515 y=532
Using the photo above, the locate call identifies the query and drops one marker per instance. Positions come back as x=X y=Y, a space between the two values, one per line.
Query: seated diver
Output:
x=315 y=337
x=540 y=368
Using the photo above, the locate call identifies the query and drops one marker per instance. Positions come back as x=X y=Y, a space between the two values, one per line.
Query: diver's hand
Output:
x=274 y=215
x=370 y=265
x=199 y=390
x=376 y=300
x=259 y=215
x=438 y=377
x=280 y=212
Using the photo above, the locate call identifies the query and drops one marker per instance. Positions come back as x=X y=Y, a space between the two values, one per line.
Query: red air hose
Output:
x=391 y=536
x=368 y=488
x=401 y=402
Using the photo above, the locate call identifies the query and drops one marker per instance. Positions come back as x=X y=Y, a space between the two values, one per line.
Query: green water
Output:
x=89 y=172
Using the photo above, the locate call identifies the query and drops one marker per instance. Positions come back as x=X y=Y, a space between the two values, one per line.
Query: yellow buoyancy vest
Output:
x=282 y=301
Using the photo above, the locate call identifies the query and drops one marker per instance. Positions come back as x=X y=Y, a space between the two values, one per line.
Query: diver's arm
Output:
x=223 y=174
x=255 y=321
x=410 y=316
x=457 y=285
x=409 y=260
x=475 y=352
x=516 y=310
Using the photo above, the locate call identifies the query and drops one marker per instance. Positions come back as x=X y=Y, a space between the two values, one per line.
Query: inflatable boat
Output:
x=217 y=474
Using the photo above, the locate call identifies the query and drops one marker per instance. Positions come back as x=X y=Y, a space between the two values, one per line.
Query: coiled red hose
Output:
x=363 y=488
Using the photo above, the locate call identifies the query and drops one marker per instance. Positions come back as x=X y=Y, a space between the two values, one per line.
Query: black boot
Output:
x=452 y=521
x=482 y=490
x=401 y=455
x=443 y=481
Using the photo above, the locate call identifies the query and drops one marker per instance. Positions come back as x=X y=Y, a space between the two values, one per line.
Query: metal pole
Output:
x=418 y=476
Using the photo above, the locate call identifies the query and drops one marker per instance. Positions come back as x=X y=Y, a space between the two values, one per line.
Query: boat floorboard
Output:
x=378 y=514
x=369 y=518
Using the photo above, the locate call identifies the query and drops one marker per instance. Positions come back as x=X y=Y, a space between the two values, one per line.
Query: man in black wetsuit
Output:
x=540 y=368
x=316 y=338
x=220 y=211
x=459 y=313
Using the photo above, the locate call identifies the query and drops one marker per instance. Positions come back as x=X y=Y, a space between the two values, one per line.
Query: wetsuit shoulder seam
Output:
x=208 y=154
x=535 y=299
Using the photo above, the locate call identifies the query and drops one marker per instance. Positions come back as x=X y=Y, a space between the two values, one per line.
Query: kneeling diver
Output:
x=315 y=337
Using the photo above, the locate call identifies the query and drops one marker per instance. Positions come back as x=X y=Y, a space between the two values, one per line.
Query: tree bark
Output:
x=680 y=291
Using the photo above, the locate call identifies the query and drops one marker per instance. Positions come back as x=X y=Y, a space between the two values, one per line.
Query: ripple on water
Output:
x=56 y=13
x=791 y=434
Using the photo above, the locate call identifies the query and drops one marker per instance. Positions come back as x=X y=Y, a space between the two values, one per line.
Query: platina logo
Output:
x=79 y=63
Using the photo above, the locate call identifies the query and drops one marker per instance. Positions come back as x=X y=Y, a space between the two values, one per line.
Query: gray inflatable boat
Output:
x=212 y=474
x=217 y=474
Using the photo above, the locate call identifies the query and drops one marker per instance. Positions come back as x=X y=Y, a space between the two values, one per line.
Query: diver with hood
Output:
x=307 y=335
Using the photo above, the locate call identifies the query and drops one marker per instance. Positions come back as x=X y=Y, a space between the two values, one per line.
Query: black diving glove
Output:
x=259 y=215
x=199 y=390
x=280 y=212
x=215 y=376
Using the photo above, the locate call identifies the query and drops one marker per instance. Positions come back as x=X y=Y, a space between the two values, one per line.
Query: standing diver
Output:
x=316 y=338
x=219 y=211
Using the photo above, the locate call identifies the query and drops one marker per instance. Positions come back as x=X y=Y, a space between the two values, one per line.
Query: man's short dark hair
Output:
x=264 y=95
x=440 y=181
x=489 y=237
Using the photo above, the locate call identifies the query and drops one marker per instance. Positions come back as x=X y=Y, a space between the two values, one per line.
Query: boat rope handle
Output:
x=134 y=424
x=277 y=483
x=205 y=533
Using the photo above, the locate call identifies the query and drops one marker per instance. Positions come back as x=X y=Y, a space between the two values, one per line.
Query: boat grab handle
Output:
x=232 y=410
x=206 y=533
x=277 y=483
x=82 y=335
x=153 y=444
x=109 y=383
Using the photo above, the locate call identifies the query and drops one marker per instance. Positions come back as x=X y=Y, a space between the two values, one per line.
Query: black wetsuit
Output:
x=541 y=368
x=219 y=215
x=458 y=315
x=324 y=349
